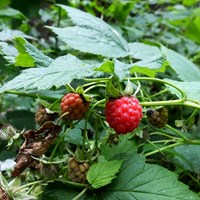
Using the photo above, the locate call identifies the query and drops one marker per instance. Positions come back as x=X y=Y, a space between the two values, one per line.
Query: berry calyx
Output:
x=123 y=114
x=158 y=118
x=74 y=105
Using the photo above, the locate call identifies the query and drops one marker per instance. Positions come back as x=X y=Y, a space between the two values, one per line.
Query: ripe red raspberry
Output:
x=123 y=114
x=75 y=105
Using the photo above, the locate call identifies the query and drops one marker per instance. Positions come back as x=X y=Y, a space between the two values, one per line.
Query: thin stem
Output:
x=96 y=79
x=58 y=143
x=177 y=132
x=192 y=115
x=80 y=194
x=163 y=148
x=28 y=184
x=159 y=93
x=31 y=95
x=183 y=95
x=85 y=137
x=94 y=86
x=164 y=134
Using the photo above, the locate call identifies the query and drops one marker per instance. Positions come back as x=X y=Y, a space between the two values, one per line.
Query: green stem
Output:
x=94 y=86
x=58 y=143
x=163 y=148
x=192 y=115
x=183 y=95
x=97 y=79
x=85 y=137
x=89 y=113
x=28 y=184
x=177 y=132
x=30 y=95
x=80 y=194
x=159 y=93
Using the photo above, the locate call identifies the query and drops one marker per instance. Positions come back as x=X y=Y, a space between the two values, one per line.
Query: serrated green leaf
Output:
x=29 y=55
x=60 y=72
x=152 y=182
x=101 y=174
x=8 y=52
x=91 y=34
x=149 y=66
x=188 y=157
x=192 y=89
x=186 y=70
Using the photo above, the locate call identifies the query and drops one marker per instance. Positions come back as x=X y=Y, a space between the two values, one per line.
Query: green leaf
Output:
x=188 y=157
x=91 y=34
x=111 y=91
x=143 y=51
x=8 y=34
x=107 y=67
x=192 y=89
x=124 y=145
x=4 y=3
x=60 y=72
x=8 y=52
x=121 y=9
x=152 y=182
x=186 y=70
x=101 y=174
x=122 y=70
x=192 y=29
x=74 y=136
x=150 y=66
x=59 y=191
x=12 y=13
x=29 y=55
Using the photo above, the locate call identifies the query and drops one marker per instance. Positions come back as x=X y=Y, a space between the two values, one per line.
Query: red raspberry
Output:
x=123 y=114
x=75 y=105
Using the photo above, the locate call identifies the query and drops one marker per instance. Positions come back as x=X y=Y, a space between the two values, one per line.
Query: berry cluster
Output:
x=123 y=114
x=74 y=106
x=77 y=171
x=158 y=118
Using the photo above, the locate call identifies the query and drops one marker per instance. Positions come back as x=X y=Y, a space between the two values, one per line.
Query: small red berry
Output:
x=74 y=105
x=123 y=114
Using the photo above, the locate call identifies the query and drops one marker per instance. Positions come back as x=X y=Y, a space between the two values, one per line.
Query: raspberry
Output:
x=77 y=170
x=123 y=114
x=158 y=118
x=42 y=116
x=74 y=105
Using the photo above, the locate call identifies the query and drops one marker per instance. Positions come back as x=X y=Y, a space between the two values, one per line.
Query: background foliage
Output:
x=46 y=45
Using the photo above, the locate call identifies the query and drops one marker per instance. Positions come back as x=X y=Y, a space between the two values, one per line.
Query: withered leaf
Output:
x=36 y=144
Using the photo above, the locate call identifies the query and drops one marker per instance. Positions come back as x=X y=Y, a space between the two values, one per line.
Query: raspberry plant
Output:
x=102 y=123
